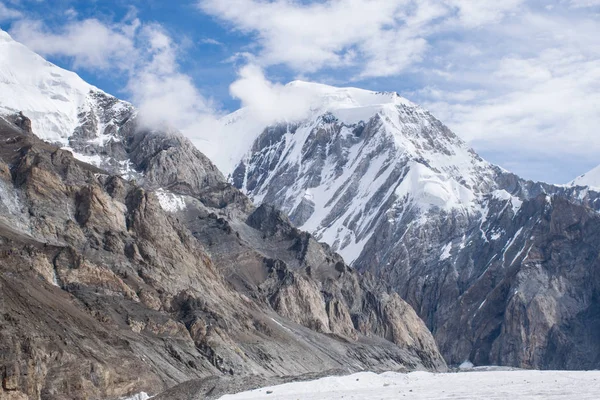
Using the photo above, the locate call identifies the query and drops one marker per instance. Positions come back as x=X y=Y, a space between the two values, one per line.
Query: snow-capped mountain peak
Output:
x=52 y=97
x=472 y=247
x=357 y=156
x=298 y=101
x=590 y=179
x=62 y=107
x=331 y=98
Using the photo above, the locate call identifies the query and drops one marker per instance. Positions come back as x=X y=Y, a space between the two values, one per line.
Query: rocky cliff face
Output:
x=110 y=288
x=478 y=252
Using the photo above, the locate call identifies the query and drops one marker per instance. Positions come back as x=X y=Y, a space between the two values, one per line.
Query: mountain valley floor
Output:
x=488 y=384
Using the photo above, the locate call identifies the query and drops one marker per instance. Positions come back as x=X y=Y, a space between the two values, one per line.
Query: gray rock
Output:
x=105 y=294
x=507 y=278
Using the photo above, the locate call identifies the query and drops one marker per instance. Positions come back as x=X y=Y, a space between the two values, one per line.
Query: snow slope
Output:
x=484 y=385
x=53 y=98
x=355 y=153
x=399 y=195
x=590 y=179
x=350 y=105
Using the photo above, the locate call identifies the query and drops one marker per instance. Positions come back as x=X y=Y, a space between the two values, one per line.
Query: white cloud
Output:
x=382 y=37
x=477 y=13
x=145 y=55
x=268 y=101
x=90 y=43
x=7 y=14
x=538 y=95
x=71 y=13
x=161 y=91
x=585 y=3
x=211 y=41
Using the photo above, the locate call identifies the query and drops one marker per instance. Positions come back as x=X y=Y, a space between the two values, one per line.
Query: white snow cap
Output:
x=590 y=179
x=50 y=96
x=310 y=100
x=327 y=97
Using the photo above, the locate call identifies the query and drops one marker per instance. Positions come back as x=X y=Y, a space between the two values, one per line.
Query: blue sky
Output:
x=194 y=31
x=518 y=79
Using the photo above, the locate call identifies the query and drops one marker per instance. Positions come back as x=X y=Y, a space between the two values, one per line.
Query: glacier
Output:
x=494 y=383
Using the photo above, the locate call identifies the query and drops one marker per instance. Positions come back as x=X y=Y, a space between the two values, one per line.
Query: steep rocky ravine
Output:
x=105 y=294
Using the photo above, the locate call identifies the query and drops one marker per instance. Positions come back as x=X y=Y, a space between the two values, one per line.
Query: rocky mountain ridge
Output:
x=113 y=286
x=473 y=248
x=502 y=270
x=217 y=287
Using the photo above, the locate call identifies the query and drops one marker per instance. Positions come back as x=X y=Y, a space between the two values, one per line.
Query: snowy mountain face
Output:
x=96 y=127
x=471 y=247
x=590 y=179
x=378 y=154
x=62 y=107
x=169 y=277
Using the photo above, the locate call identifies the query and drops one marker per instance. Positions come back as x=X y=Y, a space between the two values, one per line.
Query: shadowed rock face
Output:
x=511 y=290
x=105 y=294
x=502 y=270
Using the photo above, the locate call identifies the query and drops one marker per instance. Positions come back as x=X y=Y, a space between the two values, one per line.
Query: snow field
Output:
x=473 y=385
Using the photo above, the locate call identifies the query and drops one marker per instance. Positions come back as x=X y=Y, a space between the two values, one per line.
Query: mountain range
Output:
x=135 y=266
x=131 y=262
x=504 y=271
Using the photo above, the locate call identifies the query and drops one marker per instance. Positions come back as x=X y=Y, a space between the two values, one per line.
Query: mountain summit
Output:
x=137 y=267
x=476 y=250
x=338 y=170
x=590 y=179
x=56 y=100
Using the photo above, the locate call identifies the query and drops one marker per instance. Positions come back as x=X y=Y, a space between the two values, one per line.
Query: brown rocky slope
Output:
x=104 y=294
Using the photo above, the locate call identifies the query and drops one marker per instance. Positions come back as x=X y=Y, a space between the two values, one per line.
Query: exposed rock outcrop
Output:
x=502 y=270
x=105 y=294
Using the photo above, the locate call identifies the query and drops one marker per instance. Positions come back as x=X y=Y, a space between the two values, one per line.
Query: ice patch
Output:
x=496 y=235
x=95 y=160
x=481 y=305
x=503 y=195
x=170 y=202
x=55 y=278
x=308 y=195
x=139 y=396
x=428 y=189
x=466 y=364
x=446 y=252
x=127 y=170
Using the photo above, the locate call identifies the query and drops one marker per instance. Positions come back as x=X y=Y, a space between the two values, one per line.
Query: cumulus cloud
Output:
x=159 y=88
x=381 y=37
x=7 y=13
x=267 y=101
x=90 y=43
x=540 y=99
